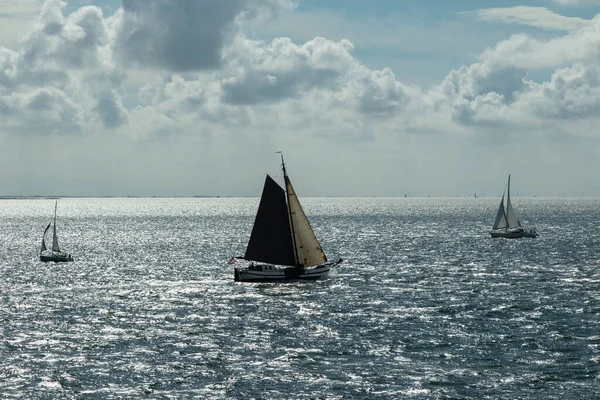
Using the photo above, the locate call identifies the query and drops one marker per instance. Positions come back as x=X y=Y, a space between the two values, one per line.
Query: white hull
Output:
x=272 y=273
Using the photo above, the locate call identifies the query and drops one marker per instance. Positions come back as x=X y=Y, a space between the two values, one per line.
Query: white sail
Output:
x=500 y=222
x=44 y=248
x=511 y=216
x=55 y=237
x=308 y=249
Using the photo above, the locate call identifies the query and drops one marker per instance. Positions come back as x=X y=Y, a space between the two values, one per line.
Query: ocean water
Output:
x=425 y=306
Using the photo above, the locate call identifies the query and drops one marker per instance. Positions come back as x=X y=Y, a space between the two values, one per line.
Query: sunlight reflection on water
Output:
x=426 y=305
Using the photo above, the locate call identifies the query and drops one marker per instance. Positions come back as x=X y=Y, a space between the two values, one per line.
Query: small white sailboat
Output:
x=54 y=254
x=507 y=225
x=282 y=239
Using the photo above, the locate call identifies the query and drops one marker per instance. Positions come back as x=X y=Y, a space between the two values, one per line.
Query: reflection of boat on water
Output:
x=283 y=239
x=507 y=225
x=54 y=254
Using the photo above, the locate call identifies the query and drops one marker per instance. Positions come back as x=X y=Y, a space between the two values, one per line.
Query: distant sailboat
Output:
x=54 y=254
x=283 y=239
x=507 y=225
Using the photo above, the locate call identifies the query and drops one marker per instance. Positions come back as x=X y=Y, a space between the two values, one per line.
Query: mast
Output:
x=287 y=195
x=507 y=205
x=54 y=237
x=508 y=197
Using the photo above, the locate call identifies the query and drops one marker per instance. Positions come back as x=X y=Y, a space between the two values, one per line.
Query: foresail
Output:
x=271 y=237
x=500 y=222
x=44 y=248
x=307 y=246
x=55 y=236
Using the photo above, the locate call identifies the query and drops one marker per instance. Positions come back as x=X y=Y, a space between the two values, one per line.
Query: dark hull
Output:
x=56 y=257
x=271 y=273
x=514 y=234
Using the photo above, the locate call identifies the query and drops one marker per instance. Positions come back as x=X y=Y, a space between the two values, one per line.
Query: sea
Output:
x=426 y=305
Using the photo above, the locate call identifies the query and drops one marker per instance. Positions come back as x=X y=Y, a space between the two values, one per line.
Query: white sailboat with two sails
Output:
x=282 y=246
x=507 y=224
x=54 y=254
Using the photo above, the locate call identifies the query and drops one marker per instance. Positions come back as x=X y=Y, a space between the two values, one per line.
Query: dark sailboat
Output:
x=282 y=239
x=507 y=225
x=54 y=254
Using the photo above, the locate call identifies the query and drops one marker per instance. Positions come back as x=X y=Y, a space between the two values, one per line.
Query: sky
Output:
x=364 y=98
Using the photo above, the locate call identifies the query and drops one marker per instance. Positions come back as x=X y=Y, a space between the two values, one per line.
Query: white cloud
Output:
x=283 y=69
x=539 y=17
x=576 y=2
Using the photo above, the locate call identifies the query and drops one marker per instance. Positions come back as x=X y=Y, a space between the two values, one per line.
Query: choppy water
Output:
x=426 y=306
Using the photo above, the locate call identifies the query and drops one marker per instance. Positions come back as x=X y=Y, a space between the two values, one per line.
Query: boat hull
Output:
x=514 y=234
x=56 y=257
x=272 y=273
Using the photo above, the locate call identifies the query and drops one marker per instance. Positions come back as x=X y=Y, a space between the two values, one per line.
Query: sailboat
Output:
x=507 y=225
x=282 y=246
x=53 y=254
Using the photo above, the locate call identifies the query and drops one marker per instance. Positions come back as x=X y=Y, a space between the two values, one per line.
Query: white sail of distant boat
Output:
x=44 y=248
x=55 y=247
x=507 y=224
x=55 y=254
x=500 y=222
x=282 y=236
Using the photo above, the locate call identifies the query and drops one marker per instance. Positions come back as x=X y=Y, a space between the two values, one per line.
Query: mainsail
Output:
x=55 y=237
x=511 y=216
x=308 y=249
x=271 y=237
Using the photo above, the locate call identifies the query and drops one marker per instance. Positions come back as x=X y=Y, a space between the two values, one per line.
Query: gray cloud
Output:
x=110 y=110
x=180 y=36
x=41 y=111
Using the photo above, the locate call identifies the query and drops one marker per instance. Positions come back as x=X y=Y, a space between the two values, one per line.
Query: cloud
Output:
x=576 y=2
x=283 y=69
x=522 y=51
x=87 y=63
x=110 y=110
x=66 y=60
x=571 y=93
x=539 y=17
x=43 y=111
x=181 y=36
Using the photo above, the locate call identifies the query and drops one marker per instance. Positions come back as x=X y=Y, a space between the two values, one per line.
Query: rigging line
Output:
x=278 y=176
